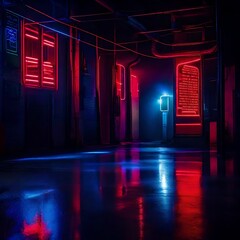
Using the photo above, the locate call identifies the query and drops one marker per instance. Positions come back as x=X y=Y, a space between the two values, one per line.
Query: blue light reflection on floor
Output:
x=123 y=193
x=62 y=157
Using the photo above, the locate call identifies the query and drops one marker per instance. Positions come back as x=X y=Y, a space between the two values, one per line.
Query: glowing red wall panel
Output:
x=188 y=97
x=39 y=57
x=31 y=59
x=135 y=106
x=187 y=93
x=49 y=61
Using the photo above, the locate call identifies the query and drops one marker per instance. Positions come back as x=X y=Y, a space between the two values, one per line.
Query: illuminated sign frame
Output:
x=188 y=121
x=39 y=57
x=190 y=112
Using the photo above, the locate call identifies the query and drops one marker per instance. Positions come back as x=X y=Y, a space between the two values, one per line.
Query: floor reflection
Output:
x=188 y=208
x=129 y=192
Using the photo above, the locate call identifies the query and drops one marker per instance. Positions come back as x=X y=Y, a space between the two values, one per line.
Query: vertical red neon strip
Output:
x=121 y=81
x=41 y=58
x=23 y=52
x=56 y=61
x=134 y=86
x=75 y=74
x=135 y=106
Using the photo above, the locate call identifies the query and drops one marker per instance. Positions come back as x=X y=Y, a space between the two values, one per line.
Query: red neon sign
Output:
x=39 y=57
x=188 y=90
x=188 y=98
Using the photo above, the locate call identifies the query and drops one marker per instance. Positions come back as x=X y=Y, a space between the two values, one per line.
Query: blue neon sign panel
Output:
x=11 y=39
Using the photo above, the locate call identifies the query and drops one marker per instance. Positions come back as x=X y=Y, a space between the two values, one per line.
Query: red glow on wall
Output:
x=188 y=97
x=213 y=165
x=39 y=57
x=230 y=167
x=188 y=128
x=213 y=134
x=121 y=81
x=134 y=86
x=37 y=229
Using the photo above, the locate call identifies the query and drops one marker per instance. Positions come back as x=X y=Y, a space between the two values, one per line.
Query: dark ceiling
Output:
x=171 y=25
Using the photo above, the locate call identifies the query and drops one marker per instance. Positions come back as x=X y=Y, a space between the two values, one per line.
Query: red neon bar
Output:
x=30 y=36
x=31 y=58
x=32 y=30
x=49 y=45
x=32 y=80
x=29 y=75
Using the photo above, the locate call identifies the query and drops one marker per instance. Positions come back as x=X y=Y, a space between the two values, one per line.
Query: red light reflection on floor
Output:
x=135 y=172
x=38 y=228
x=120 y=174
x=189 y=212
x=141 y=218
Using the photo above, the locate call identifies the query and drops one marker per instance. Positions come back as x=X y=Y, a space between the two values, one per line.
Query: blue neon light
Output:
x=11 y=39
x=164 y=103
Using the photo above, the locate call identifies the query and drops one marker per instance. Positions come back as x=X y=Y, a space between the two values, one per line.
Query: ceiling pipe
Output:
x=101 y=2
x=182 y=53
x=169 y=11
x=90 y=15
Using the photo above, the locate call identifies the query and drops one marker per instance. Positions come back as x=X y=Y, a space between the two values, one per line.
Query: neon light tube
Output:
x=32 y=30
x=31 y=80
x=29 y=75
x=32 y=58
x=30 y=36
